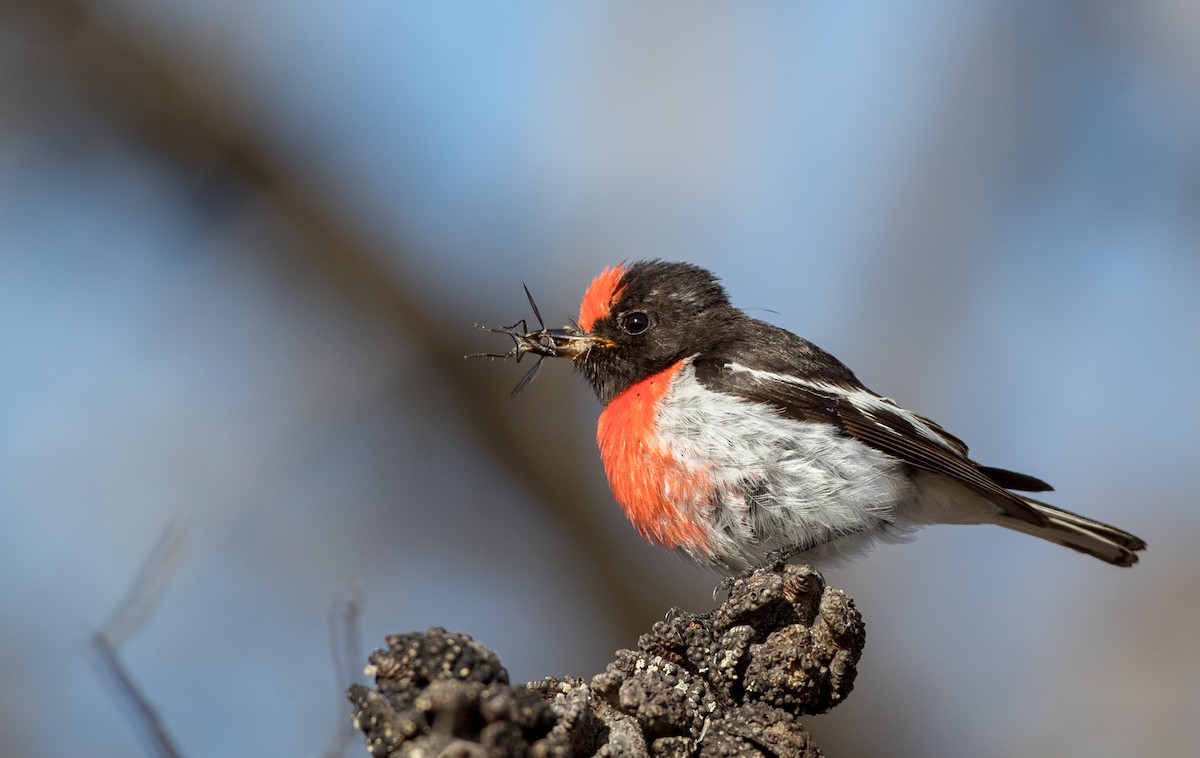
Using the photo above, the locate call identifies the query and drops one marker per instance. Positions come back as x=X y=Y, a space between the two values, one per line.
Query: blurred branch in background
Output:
x=190 y=114
x=128 y=617
x=132 y=613
x=346 y=649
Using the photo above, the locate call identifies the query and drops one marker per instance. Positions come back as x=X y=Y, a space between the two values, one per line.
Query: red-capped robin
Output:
x=736 y=442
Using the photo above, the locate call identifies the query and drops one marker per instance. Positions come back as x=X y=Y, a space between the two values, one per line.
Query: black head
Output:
x=642 y=317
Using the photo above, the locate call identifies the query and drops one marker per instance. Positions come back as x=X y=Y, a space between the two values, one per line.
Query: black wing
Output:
x=875 y=421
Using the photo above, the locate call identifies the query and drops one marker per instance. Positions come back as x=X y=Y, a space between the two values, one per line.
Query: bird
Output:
x=738 y=443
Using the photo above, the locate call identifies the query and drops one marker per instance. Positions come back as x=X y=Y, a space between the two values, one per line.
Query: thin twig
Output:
x=346 y=649
x=126 y=619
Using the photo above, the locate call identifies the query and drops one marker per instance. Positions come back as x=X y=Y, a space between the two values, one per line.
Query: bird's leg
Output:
x=774 y=560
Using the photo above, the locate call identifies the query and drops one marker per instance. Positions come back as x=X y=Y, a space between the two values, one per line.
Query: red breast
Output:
x=652 y=487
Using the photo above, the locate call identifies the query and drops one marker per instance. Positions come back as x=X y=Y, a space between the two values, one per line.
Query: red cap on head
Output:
x=598 y=299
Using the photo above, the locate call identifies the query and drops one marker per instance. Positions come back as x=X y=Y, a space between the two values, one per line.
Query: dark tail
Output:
x=1105 y=542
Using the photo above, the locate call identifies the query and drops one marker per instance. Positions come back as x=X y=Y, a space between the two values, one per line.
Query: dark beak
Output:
x=560 y=343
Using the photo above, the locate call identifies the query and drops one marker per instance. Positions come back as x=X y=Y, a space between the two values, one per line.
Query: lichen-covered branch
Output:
x=730 y=682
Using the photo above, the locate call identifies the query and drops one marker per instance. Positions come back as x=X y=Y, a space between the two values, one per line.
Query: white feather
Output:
x=779 y=483
x=867 y=402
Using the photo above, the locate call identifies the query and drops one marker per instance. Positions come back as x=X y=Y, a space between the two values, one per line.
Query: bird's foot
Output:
x=773 y=561
x=777 y=558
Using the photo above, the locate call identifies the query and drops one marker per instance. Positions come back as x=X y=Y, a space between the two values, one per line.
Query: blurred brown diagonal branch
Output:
x=186 y=110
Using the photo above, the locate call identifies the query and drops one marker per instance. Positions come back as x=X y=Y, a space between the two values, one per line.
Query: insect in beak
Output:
x=568 y=342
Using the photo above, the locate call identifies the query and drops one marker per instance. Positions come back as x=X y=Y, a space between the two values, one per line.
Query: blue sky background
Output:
x=991 y=211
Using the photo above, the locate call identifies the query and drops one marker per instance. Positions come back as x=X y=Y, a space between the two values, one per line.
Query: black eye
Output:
x=635 y=322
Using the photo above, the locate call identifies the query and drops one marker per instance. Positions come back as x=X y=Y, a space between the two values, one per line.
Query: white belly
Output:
x=779 y=483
